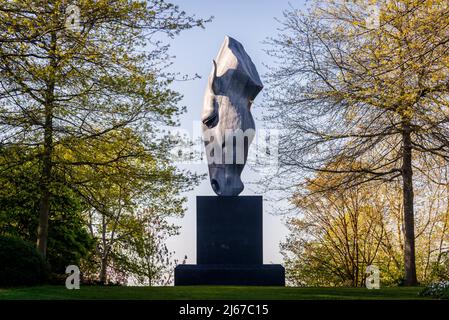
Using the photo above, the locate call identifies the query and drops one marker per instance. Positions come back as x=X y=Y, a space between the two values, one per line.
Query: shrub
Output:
x=437 y=290
x=20 y=263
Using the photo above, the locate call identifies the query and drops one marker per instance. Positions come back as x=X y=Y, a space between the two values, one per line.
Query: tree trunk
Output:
x=47 y=164
x=409 y=223
x=103 y=270
x=44 y=205
x=104 y=251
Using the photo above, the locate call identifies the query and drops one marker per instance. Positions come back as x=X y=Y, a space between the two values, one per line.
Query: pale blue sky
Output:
x=250 y=22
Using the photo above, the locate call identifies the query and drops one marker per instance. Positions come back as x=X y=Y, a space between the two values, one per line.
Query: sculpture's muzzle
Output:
x=225 y=179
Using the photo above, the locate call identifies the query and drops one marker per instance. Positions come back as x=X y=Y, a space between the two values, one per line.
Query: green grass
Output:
x=208 y=292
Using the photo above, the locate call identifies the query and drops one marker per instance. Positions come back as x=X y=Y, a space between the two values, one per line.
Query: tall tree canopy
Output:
x=62 y=88
x=360 y=101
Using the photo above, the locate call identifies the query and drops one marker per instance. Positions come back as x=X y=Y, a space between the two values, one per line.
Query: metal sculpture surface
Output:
x=227 y=124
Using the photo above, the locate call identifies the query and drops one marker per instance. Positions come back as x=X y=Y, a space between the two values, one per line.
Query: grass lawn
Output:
x=206 y=292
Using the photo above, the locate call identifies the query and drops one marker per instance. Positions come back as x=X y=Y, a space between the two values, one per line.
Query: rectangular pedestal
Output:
x=229 y=245
x=244 y=275
x=229 y=230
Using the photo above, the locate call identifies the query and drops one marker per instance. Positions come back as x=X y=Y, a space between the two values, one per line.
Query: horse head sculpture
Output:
x=227 y=124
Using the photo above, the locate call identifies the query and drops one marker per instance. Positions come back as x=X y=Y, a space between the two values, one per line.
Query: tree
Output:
x=367 y=100
x=144 y=254
x=339 y=234
x=342 y=231
x=117 y=193
x=68 y=239
x=61 y=86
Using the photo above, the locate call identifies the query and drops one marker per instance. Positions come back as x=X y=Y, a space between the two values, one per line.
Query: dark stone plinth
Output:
x=243 y=275
x=230 y=245
x=229 y=230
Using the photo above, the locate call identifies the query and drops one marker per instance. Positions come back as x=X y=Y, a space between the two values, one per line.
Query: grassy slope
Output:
x=226 y=293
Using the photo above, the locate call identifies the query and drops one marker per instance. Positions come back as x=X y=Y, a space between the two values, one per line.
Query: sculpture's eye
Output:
x=211 y=117
x=211 y=120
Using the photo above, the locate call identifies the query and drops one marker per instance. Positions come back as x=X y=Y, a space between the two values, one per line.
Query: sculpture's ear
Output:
x=213 y=81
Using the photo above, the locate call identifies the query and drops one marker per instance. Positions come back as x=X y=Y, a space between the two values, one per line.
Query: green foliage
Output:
x=304 y=269
x=65 y=91
x=109 y=75
x=20 y=263
x=129 y=202
x=437 y=290
x=88 y=104
x=364 y=104
x=69 y=240
x=440 y=268
x=143 y=254
x=340 y=232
